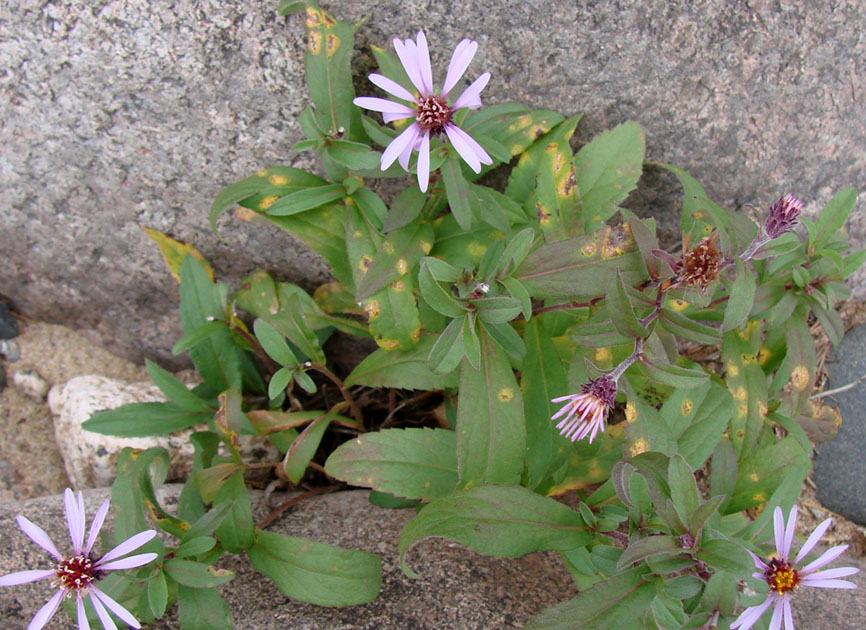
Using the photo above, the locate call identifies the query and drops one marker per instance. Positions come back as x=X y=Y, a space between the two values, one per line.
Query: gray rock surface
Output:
x=123 y=114
x=839 y=464
x=456 y=588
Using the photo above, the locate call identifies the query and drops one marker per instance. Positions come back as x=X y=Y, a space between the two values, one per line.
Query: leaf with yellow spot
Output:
x=697 y=417
x=175 y=251
x=522 y=181
x=557 y=208
x=412 y=463
x=571 y=269
x=327 y=63
x=769 y=465
x=404 y=244
x=801 y=358
x=491 y=431
x=607 y=170
x=747 y=383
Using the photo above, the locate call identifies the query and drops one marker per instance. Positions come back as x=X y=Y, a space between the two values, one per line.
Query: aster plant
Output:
x=532 y=340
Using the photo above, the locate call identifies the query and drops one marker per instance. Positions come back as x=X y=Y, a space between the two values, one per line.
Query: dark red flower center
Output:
x=781 y=576
x=78 y=572
x=433 y=114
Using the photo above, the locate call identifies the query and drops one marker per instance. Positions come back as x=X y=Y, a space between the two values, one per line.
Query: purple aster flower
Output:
x=783 y=216
x=433 y=115
x=585 y=413
x=784 y=576
x=77 y=572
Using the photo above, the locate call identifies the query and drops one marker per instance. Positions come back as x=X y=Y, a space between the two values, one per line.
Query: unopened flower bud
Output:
x=783 y=216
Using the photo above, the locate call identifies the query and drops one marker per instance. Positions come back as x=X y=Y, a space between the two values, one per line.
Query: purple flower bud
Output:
x=687 y=541
x=783 y=216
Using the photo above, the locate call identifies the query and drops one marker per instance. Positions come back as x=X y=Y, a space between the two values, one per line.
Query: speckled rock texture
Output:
x=456 y=588
x=91 y=459
x=121 y=114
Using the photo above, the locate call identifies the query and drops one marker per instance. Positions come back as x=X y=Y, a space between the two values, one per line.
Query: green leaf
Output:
x=556 y=206
x=196 y=336
x=447 y=351
x=491 y=433
x=649 y=546
x=235 y=532
x=742 y=295
x=533 y=130
x=145 y=419
x=157 y=594
x=405 y=209
x=315 y=572
x=618 y=602
x=401 y=369
x=217 y=358
x=507 y=338
x=720 y=593
x=352 y=155
x=458 y=192
x=279 y=381
x=305 y=446
x=411 y=463
x=621 y=312
x=306 y=199
x=196 y=574
x=674 y=375
x=726 y=555
x=437 y=297
x=195 y=547
x=274 y=343
x=543 y=378
x=607 y=169
x=697 y=417
x=202 y=609
x=684 y=490
x=833 y=216
x=498 y=521
x=207 y=524
x=497 y=310
x=685 y=327
x=582 y=266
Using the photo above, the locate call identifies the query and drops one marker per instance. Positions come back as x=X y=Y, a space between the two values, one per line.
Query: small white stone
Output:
x=91 y=459
x=29 y=383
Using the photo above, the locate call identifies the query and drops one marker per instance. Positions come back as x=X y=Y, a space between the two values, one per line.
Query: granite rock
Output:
x=30 y=383
x=91 y=458
x=456 y=588
x=839 y=467
x=124 y=114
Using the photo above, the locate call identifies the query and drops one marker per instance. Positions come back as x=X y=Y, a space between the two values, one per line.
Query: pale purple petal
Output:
x=460 y=60
x=398 y=144
x=409 y=58
x=406 y=153
x=471 y=96
x=778 y=611
x=391 y=117
x=46 y=612
x=382 y=105
x=779 y=530
x=562 y=398
x=789 y=618
x=131 y=544
x=831 y=573
x=469 y=150
x=789 y=532
x=96 y=525
x=74 y=521
x=24 y=577
x=104 y=617
x=83 y=516
x=826 y=558
x=424 y=63
x=424 y=162
x=38 y=535
x=813 y=539
x=128 y=563
x=827 y=583
x=116 y=608
x=750 y=615
x=759 y=564
x=392 y=87
x=83 y=623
